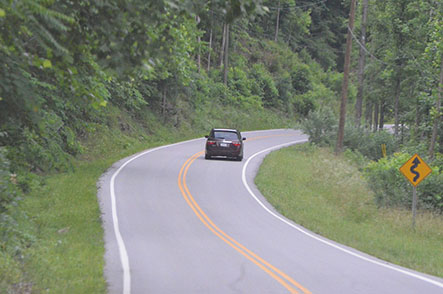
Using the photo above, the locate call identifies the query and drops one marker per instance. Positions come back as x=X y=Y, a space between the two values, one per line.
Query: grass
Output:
x=58 y=224
x=328 y=195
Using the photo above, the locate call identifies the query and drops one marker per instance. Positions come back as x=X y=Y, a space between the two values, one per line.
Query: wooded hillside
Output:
x=64 y=62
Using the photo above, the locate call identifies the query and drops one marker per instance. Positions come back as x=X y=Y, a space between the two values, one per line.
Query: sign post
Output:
x=383 y=150
x=414 y=205
x=415 y=170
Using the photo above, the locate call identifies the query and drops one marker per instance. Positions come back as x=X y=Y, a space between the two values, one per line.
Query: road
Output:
x=177 y=223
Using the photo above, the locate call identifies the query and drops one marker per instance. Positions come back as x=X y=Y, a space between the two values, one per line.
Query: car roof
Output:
x=225 y=130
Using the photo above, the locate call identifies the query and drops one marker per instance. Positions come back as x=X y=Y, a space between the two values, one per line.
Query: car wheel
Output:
x=207 y=156
x=239 y=158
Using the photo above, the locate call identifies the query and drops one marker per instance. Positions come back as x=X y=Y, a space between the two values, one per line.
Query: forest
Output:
x=70 y=68
x=64 y=62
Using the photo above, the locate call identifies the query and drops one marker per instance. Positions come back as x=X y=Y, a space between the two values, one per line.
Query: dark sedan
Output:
x=224 y=142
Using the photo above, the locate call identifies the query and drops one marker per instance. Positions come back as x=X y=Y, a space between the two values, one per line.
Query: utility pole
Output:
x=197 y=19
x=344 y=89
x=226 y=63
x=361 y=65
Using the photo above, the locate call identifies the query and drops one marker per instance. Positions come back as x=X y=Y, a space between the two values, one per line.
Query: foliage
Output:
x=388 y=184
x=392 y=189
x=321 y=127
x=405 y=44
x=266 y=87
x=13 y=238
x=369 y=143
x=8 y=191
x=317 y=27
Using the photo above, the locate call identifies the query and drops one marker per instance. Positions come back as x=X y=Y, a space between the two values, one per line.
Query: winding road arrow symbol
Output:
x=416 y=162
x=415 y=170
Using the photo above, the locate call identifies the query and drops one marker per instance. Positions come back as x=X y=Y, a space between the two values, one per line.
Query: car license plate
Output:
x=224 y=144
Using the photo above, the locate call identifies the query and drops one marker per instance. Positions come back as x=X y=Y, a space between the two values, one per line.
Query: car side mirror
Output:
x=244 y=139
x=206 y=136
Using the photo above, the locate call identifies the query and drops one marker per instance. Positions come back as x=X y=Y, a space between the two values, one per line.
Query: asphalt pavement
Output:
x=177 y=223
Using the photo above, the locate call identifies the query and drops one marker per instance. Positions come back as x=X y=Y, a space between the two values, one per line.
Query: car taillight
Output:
x=236 y=144
x=211 y=143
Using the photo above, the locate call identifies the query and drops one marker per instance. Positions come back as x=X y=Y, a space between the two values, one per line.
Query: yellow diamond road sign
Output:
x=415 y=170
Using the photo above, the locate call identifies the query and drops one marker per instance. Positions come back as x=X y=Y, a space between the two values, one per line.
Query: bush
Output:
x=8 y=192
x=266 y=84
x=392 y=189
x=368 y=143
x=12 y=239
x=321 y=127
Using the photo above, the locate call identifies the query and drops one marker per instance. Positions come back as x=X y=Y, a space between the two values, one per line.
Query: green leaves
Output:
x=47 y=63
x=392 y=189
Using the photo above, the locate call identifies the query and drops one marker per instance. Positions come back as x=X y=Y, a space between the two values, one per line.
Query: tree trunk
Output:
x=222 y=49
x=437 y=118
x=210 y=49
x=361 y=65
x=396 y=103
x=382 y=115
x=164 y=101
x=344 y=90
x=277 y=23
x=368 y=115
x=376 y=107
x=402 y=133
x=225 y=69
x=197 y=19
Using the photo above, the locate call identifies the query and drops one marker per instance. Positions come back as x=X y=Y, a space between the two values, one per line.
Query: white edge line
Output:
x=438 y=284
x=121 y=244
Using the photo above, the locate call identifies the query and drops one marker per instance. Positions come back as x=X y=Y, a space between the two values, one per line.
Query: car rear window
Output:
x=225 y=135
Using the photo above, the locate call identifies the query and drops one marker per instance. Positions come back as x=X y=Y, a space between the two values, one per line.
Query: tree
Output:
x=277 y=22
x=438 y=115
x=399 y=32
x=344 y=91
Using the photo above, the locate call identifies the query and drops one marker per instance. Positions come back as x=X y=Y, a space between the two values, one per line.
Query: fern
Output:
x=44 y=24
x=51 y=42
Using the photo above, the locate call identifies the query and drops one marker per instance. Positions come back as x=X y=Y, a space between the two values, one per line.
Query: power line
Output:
x=365 y=49
x=381 y=61
x=283 y=7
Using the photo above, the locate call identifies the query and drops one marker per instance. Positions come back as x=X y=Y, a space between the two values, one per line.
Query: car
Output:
x=224 y=142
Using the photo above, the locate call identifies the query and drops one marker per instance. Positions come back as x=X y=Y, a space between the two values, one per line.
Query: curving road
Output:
x=177 y=223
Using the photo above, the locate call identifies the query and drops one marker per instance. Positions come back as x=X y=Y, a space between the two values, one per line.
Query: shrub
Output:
x=301 y=78
x=309 y=101
x=392 y=189
x=12 y=239
x=320 y=125
x=266 y=84
x=368 y=143
x=8 y=192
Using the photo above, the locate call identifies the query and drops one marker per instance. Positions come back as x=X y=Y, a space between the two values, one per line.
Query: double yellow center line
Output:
x=271 y=270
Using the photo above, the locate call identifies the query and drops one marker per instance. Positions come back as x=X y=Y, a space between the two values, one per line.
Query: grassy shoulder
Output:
x=328 y=196
x=64 y=250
